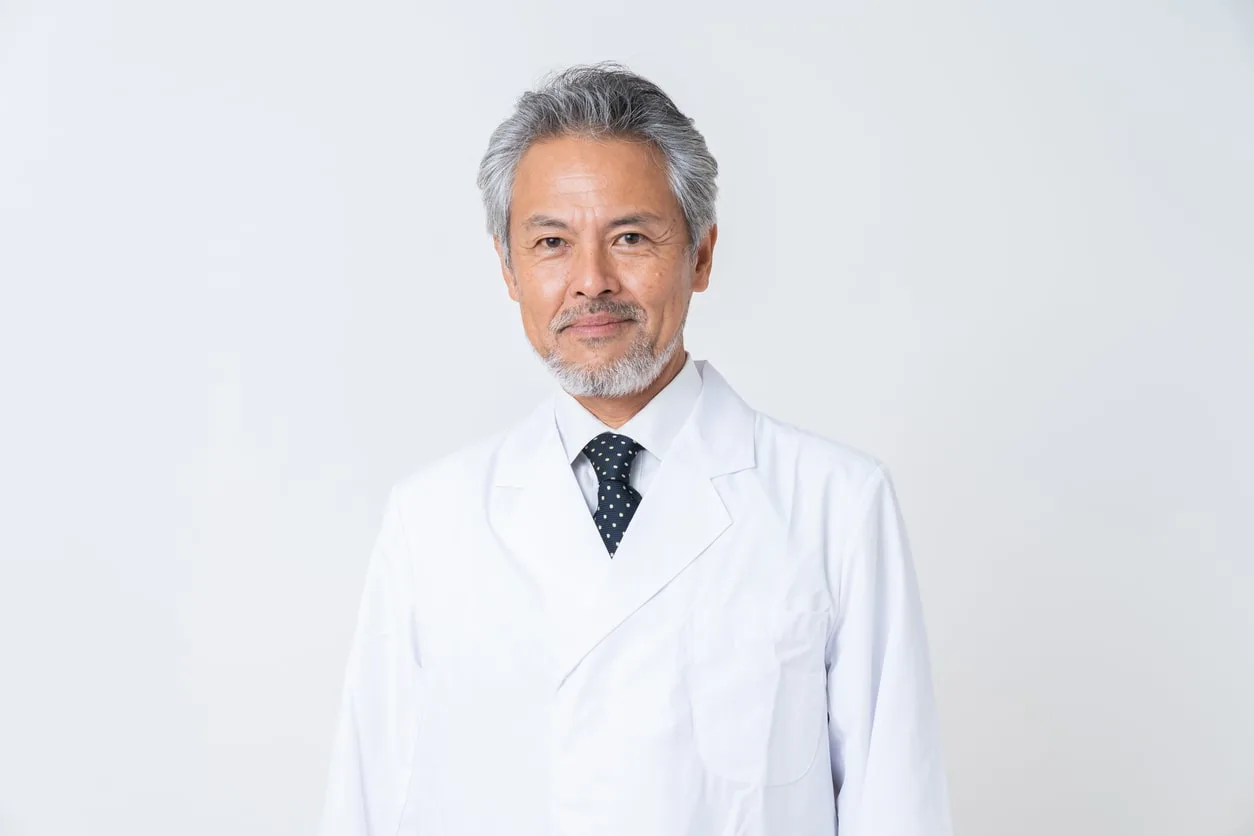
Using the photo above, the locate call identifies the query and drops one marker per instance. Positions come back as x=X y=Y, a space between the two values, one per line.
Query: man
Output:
x=646 y=608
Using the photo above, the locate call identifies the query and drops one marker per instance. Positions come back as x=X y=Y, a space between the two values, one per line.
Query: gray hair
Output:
x=603 y=100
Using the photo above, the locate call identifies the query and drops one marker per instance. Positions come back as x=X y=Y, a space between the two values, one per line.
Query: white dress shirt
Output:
x=653 y=427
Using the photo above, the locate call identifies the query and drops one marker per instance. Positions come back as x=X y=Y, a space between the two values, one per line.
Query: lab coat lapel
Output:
x=680 y=516
x=542 y=519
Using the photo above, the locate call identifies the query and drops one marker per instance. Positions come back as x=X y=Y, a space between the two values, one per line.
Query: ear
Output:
x=705 y=261
x=508 y=275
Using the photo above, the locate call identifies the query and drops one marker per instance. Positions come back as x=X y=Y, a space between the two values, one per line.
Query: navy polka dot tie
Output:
x=611 y=455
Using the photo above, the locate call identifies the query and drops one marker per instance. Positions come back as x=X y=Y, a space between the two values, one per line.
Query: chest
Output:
x=535 y=604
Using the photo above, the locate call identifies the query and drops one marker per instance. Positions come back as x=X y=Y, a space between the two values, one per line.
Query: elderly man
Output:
x=645 y=609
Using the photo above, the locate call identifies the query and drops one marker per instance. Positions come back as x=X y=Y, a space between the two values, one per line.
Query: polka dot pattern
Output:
x=611 y=455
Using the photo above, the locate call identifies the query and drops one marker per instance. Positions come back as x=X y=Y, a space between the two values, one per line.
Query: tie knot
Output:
x=611 y=455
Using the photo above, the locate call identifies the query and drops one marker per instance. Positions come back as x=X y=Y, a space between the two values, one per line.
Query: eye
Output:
x=550 y=243
x=631 y=238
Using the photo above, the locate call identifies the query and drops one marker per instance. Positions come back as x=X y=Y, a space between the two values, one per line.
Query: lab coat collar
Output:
x=722 y=421
x=654 y=427
x=586 y=594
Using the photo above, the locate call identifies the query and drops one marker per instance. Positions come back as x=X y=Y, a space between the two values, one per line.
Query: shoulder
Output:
x=464 y=465
x=821 y=486
x=451 y=485
x=814 y=459
x=468 y=468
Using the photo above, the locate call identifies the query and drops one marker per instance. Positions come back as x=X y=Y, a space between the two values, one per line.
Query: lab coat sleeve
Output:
x=882 y=722
x=373 y=748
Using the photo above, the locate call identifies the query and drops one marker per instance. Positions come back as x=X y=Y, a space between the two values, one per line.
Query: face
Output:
x=599 y=262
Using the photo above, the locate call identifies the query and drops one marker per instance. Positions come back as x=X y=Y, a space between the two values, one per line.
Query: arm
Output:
x=374 y=741
x=883 y=729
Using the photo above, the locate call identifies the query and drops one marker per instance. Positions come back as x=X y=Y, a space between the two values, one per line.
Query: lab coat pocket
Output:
x=757 y=691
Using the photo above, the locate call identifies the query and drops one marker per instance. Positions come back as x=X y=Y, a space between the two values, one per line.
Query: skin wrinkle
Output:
x=601 y=232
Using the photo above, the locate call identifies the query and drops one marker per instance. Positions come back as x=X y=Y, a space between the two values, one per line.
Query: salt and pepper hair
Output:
x=602 y=101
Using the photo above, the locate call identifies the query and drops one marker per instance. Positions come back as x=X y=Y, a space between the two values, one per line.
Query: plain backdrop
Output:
x=1007 y=248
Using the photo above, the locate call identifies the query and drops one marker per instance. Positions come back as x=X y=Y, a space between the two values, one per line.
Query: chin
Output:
x=596 y=359
x=615 y=373
x=593 y=353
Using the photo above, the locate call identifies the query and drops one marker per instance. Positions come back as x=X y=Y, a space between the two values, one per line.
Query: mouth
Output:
x=599 y=325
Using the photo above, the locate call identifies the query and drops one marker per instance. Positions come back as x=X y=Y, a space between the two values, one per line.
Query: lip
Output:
x=597 y=325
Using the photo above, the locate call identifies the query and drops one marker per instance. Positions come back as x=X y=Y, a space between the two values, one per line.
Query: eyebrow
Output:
x=550 y=222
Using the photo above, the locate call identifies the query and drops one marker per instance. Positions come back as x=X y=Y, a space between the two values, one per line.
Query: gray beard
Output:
x=630 y=374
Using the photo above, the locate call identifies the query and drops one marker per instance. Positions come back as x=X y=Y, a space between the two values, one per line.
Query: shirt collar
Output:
x=654 y=427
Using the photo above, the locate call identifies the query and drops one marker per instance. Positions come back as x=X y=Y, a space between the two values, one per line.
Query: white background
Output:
x=1007 y=248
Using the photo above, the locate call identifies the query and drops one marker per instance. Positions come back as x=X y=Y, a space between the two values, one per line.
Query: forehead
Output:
x=580 y=173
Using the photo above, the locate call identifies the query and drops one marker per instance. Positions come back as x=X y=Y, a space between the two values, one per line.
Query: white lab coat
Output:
x=752 y=662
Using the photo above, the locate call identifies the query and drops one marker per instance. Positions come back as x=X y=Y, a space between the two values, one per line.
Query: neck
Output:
x=614 y=412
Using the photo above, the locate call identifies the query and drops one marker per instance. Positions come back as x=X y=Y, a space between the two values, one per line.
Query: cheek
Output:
x=663 y=292
x=540 y=297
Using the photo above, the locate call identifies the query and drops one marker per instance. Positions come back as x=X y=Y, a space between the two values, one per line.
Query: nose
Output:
x=592 y=273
